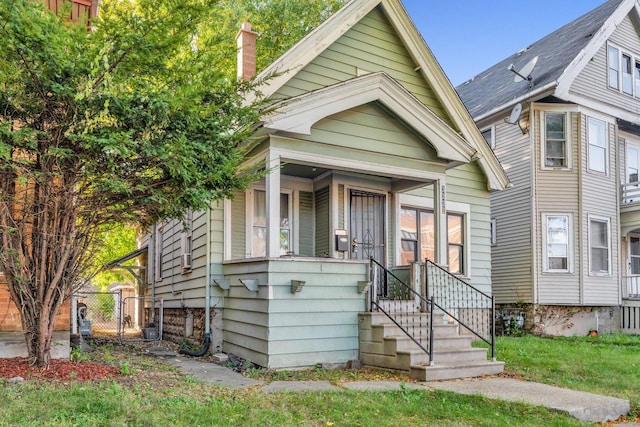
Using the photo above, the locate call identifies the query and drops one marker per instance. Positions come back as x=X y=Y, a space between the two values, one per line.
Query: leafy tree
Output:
x=128 y=123
x=118 y=240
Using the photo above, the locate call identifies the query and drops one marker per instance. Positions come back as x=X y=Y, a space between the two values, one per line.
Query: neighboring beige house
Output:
x=372 y=155
x=566 y=236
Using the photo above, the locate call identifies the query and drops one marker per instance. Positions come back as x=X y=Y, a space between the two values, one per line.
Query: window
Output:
x=599 y=245
x=613 y=60
x=597 y=134
x=186 y=242
x=555 y=140
x=623 y=71
x=158 y=252
x=634 y=254
x=627 y=85
x=455 y=243
x=557 y=243
x=417 y=235
x=489 y=136
x=259 y=224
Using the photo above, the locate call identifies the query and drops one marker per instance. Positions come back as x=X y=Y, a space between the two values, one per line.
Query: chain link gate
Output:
x=118 y=314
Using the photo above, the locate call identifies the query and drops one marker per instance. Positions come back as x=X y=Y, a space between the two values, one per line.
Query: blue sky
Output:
x=469 y=36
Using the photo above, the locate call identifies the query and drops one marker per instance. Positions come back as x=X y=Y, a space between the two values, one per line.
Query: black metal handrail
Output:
x=468 y=306
x=403 y=306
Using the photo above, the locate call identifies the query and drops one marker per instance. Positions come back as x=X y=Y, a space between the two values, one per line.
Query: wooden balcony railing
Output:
x=631 y=287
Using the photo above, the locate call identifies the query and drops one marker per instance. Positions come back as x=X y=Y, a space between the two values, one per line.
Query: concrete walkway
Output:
x=581 y=405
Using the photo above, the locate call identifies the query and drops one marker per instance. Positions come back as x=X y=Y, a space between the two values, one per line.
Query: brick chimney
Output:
x=246 y=42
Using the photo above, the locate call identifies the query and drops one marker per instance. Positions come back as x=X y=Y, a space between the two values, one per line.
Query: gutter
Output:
x=526 y=97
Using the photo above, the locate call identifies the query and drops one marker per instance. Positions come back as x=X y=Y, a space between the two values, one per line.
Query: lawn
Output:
x=606 y=364
x=151 y=392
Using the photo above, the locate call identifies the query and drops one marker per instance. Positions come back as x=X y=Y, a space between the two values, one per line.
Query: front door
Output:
x=367 y=226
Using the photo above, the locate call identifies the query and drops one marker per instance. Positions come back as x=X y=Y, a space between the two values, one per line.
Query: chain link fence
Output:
x=119 y=314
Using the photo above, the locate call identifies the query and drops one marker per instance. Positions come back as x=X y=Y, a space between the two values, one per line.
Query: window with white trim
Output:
x=186 y=242
x=158 y=247
x=599 y=246
x=557 y=243
x=555 y=140
x=613 y=62
x=489 y=135
x=623 y=71
x=455 y=242
x=417 y=235
x=258 y=235
x=598 y=145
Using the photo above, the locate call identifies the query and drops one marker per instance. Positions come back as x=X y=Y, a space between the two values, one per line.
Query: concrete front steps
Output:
x=383 y=344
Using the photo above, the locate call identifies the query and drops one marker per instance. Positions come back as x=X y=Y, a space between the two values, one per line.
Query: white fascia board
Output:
x=356 y=166
x=298 y=114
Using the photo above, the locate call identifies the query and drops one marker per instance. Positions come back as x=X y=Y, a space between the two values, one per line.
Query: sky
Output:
x=469 y=36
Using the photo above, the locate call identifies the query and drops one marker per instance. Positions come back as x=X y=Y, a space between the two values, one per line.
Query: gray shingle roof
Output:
x=495 y=86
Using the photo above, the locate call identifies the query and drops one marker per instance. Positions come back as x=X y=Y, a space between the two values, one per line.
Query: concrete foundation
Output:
x=12 y=344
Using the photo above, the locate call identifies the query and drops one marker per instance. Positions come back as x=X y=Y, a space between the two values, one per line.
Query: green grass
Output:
x=111 y=404
x=606 y=364
x=155 y=393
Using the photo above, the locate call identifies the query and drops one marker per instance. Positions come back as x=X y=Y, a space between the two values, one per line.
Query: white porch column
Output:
x=272 y=181
x=440 y=217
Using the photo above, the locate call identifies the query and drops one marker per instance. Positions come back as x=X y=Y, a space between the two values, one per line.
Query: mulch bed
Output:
x=58 y=369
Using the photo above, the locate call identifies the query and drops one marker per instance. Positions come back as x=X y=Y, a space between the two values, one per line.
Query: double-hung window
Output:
x=259 y=224
x=557 y=243
x=623 y=71
x=158 y=249
x=599 y=246
x=455 y=242
x=186 y=242
x=555 y=133
x=417 y=235
x=598 y=146
x=613 y=59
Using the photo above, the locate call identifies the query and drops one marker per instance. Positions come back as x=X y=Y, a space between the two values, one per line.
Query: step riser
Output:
x=435 y=373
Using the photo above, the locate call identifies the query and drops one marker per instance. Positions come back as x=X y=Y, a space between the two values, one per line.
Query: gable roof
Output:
x=561 y=55
x=306 y=50
x=300 y=113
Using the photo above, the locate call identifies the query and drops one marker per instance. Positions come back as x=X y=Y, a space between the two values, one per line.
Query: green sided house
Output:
x=375 y=165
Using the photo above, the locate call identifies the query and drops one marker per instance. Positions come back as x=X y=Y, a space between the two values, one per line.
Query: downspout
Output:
x=207 y=295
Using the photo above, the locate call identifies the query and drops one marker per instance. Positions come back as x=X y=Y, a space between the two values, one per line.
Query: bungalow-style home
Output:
x=562 y=117
x=374 y=166
x=12 y=342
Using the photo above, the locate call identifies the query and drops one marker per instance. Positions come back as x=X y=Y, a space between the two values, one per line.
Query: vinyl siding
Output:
x=599 y=198
x=276 y=328
x=592 y=82
x=556 y=192
x=511 y=257
x=371 y=45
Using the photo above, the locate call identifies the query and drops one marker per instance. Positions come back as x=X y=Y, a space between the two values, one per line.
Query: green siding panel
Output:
x=238 y=226
x=306 y=224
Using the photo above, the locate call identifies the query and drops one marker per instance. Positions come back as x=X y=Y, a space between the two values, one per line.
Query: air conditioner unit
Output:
x=186 y=261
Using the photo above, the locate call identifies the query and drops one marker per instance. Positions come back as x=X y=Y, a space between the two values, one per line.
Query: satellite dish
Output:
x=515 y=114
x=525 y=72
x=514 y=117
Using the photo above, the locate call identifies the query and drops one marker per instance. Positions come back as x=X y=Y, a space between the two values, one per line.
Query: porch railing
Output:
x=403 y=305
x=631 y=288
x=460 y=302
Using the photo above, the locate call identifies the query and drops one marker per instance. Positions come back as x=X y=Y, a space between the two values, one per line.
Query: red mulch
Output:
x=59 y=369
